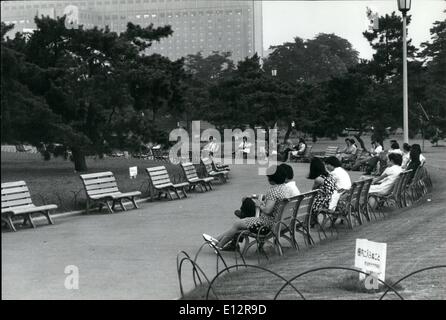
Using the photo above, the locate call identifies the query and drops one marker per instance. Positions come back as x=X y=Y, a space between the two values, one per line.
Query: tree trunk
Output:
x=80 y=165
x=288 y=132
x=361 y=142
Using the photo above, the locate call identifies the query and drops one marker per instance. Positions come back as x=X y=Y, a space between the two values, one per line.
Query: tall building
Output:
x=198 y=25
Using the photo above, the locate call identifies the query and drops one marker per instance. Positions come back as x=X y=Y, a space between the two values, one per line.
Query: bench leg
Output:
x=87 y=210
x=109 y=207
x=209 y=185
x=8 y=221
x=132 y=199
x=48 y=217
x=30 y=219
x=122 y=205
x=176 y=192
x=184 y=192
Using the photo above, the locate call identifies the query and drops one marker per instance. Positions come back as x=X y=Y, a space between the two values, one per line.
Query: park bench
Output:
x=302 y=216
x=102 y=188
x=222 y=175
x=331 y=151
x=396 y=195
x=160 y=181
x=192 y=177
x=348 y=207
x=306 y=157
x=283 y=222
x=17 y=202
x=364 y=206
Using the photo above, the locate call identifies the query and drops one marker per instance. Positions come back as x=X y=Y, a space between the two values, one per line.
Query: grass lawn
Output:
x=55 y=181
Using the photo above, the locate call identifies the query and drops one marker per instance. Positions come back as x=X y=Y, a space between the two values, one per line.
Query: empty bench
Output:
x=222 y=175
x=160 y=180
x=192 y=177
x=101 y=188
x=17 y=202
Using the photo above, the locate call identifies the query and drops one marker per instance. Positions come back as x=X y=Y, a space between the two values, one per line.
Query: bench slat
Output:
x=102 y=191
x=16 y=196
x=14 y=190
x=154 y=169
x=100 y=180
x=101 y=186
x=16 y=203
x=33 y=209
x=96 y=175
x=163 y=185
x=13 y=184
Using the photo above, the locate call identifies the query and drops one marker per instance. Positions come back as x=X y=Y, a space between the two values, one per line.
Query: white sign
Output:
x=370 y=257
x=133 y=172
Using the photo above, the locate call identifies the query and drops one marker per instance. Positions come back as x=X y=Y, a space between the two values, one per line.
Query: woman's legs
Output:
x=228 y=236
x=372 y=202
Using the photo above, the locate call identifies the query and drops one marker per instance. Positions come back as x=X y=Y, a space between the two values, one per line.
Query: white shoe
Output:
x=210 y=239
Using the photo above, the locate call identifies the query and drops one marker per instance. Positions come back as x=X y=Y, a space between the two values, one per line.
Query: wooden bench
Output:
x=306 y=157
x=16 y=202
x=160 y=180
x=102 y=188
x=222 y=175
x=331 y=152
x=192 y=177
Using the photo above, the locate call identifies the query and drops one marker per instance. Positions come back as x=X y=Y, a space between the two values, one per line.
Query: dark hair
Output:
x=353 y=141
x=333 y=161
x=406 y=146
x=414 y=155
x=288 y=170
x=211 y=137
x=302 y=140
x=244 y=137
x=279 y=175
x=317 y=169
x=416 y=146
x=347 y=139
x=394 y=145
x=396 y=158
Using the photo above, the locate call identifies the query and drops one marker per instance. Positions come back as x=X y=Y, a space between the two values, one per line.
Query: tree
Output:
x=434 y=56
x=97 y=85
x=312 y=61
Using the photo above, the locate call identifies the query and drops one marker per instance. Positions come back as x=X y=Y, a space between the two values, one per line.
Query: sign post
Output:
x=133 y=172
x=370 y=257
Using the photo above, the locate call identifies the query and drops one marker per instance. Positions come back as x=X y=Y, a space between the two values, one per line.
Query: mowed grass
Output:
x=55 y=181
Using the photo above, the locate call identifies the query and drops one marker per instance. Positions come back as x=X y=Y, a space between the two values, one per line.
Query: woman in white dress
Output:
x=384 y=183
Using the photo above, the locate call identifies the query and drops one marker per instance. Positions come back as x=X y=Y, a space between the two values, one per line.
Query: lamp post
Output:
x=404 y=6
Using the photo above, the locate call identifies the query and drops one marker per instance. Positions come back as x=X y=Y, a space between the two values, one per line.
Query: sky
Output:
x=284 y=20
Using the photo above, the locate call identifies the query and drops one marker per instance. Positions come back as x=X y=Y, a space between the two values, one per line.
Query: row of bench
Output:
x=294 y=216
x=102 y=190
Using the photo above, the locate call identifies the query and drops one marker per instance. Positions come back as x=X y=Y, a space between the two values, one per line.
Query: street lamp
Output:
x=404 y=6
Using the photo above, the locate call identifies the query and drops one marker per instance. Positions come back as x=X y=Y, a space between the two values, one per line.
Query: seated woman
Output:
x=299 y=151
x=286 y=149
x=414 y=163
x=406 y=155
x=384 y=183
x=417 y=147
x=324 y=182
x=348 y=151
x=293 y=190
x=395 y=148
x=278 y=191
x=372 y=161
